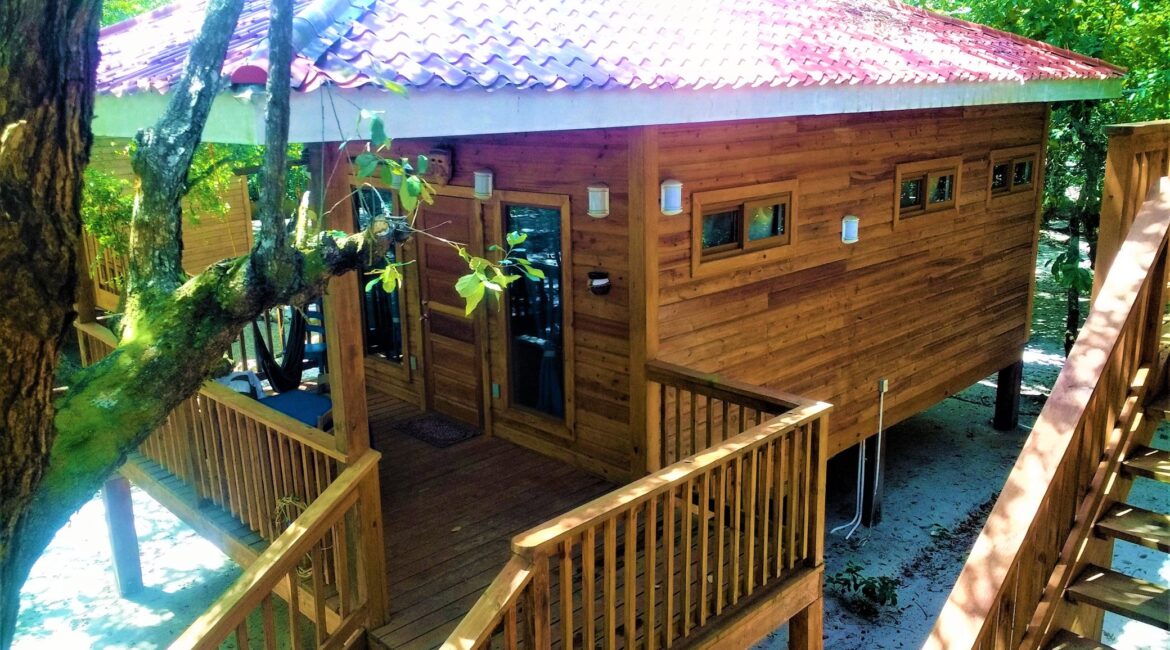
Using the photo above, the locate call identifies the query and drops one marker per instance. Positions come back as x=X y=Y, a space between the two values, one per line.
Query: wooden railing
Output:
x=257 y=463
x=697 y=411
x=1039 y=534
x=1138 y=156
x=316 y=555
x=667 y=557
x=108 y=271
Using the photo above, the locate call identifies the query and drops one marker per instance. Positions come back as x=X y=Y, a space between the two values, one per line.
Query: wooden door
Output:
x=453 y=344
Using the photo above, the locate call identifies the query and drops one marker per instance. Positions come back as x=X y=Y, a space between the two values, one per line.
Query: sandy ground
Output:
x=944 y=469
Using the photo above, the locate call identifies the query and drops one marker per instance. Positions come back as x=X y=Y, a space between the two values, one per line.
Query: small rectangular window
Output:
x=720 y=230
x=913 y=195
x=737 y=227
x=942 y=189
x=926 y=186
x=1013 y=170
x=1001 y=180
x=760 y=223
x=766 y=220
x=1022 y=176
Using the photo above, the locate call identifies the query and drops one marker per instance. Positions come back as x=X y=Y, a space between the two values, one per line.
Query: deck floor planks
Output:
x=450 y=515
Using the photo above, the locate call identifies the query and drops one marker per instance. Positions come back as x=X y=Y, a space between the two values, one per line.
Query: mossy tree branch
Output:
x=162 y=160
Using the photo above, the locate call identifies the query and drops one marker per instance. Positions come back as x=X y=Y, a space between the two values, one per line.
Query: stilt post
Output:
x=123 y=536
x=1007 y=397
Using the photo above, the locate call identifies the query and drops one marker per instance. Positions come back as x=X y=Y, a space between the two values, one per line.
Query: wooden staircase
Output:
x=1115 y=592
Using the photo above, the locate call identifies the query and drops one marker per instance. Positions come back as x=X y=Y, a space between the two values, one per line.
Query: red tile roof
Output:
x=578 y=44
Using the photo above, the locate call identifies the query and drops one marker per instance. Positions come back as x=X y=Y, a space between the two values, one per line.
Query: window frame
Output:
x=743 y=251
x=929 y=171
x=403 y=253
x=1011 y=157
x=505 y=410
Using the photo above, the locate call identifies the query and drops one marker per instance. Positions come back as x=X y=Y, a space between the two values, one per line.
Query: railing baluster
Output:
x=650 y=568
x=704 y=549
x=609 y=578
x=720 y=526
x=566 y=584
x=588 y=584
x=668 y=558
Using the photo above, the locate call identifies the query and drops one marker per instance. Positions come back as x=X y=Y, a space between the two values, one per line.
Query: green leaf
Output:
x=517 y=238
x=495 y=247
x=409 y=202
x=413 y=186
x=391 y=278
x=395 y=87
x=378 y=132
x=372 y=283
x=387 y=175
x=421 y=164
x=367 y=164
x=471 y=289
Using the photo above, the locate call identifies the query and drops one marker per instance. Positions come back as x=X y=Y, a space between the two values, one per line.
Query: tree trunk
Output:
x=48 y=54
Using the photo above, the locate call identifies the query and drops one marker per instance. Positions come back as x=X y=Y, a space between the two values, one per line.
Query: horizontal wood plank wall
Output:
x=212 y=238
x=933 y=307
x=565 y=163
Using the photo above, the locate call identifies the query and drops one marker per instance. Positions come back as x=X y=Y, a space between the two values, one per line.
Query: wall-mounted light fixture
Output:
x=671 y=197
x=599 y=282
x=483 y=184
x=850 y=225
x=598 y=200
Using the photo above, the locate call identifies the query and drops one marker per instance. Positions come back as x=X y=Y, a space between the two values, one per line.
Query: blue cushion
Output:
x=300 y=404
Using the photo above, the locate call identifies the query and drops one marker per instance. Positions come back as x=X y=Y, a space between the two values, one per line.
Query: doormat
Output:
x=437 y=430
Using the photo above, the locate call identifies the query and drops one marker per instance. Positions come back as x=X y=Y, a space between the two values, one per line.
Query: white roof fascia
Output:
x=332 y=114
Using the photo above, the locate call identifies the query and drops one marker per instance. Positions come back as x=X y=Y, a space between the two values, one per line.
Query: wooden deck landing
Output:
x=450 y=515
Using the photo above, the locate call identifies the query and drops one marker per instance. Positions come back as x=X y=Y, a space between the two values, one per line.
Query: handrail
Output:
x=279 y=563
x=691 y=411
x=752 y=396
x=496 y=605
x=712 y=528
x=235 y=451
x=547 y=535
x=1015 y=563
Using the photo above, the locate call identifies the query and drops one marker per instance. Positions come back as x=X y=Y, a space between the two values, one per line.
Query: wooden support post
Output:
x=1007 y=397
x=343 y=315
x=643 y=250
x=874 y=480
x=123 y=536
x=806 y=630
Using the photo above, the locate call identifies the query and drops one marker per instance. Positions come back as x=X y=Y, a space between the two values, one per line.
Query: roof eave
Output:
x=443 y=112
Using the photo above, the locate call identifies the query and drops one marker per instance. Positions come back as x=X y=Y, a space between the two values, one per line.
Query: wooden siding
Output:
x=933 y=306
x=554 y=164
x=211 y=239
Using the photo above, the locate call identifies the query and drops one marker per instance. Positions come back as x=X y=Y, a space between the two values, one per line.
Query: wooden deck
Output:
x=450 y=515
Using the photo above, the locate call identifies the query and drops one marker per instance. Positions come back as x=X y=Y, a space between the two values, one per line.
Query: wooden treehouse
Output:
x=728 y=245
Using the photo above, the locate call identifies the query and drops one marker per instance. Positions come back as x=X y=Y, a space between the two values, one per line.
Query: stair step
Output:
x=1130 y=597
x=1150 y=463
x=1137 y=525
x=1065 y=640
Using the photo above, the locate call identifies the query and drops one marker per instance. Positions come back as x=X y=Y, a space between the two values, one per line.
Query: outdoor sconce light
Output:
x=599 y=282
x=849 y=229
x=483 y=184
x=671 y=198
x=598 y=200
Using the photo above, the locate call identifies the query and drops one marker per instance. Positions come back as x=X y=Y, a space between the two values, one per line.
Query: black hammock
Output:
x=286 y=375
